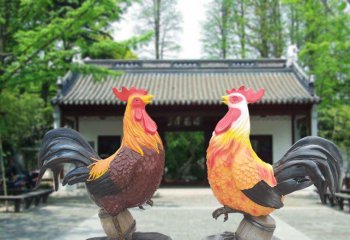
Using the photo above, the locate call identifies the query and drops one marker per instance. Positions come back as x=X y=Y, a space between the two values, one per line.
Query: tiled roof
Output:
x=190 y=82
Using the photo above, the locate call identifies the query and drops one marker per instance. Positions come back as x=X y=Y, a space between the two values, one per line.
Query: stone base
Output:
x=222 y=236
x=123 y=227
x=229 y=236
x=118 y=227
x=140 y=236
x=250 y=228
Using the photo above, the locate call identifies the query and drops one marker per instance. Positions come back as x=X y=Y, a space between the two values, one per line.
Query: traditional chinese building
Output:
x=188 y=98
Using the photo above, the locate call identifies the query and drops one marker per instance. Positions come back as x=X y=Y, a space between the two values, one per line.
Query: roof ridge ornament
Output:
x=292 y=55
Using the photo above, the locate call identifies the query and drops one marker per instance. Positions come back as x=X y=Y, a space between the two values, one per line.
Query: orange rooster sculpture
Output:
x=243 y=183
x=124 y=180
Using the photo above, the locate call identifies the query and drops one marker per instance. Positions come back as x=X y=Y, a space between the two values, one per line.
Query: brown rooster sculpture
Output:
x=126 y=179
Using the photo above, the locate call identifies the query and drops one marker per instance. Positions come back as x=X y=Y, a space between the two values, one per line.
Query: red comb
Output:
x=125 y=93
x=249 y=94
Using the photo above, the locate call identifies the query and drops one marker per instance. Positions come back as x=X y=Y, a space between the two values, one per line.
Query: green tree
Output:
x=23 y=117
x=293 y=23
x=334 y=124
x=324 y=40
x=185 y=156
x=162 y=19
x=243 y=28
x=240 y=12
x=265 y=28
x=217 y=34
x=323 y=32
x=38 y=40
x=320 y=29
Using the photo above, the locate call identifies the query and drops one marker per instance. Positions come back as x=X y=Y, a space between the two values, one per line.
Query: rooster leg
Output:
x=224 y=210
x=150 y=202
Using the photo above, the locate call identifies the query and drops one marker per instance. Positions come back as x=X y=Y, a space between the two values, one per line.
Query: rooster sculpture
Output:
x=126 y=179
x=243 y=183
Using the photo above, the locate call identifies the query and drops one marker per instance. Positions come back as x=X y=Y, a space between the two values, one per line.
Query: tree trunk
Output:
x=45 y=91
x=156 y=6
x=242 y=30
x=277 y=28
x=223 y=31
x=264 y=48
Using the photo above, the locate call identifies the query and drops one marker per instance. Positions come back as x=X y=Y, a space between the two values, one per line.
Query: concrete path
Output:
x=182 y=213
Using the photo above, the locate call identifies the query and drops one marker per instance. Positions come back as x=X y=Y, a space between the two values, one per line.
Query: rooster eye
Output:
x=235 y=99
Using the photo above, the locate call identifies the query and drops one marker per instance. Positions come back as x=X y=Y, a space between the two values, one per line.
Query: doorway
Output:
x=262 y=145
x=107 y=145
x=185 y=157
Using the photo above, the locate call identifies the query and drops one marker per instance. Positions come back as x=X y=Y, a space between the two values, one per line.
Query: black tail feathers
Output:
x=311 y=160
x=65 y=145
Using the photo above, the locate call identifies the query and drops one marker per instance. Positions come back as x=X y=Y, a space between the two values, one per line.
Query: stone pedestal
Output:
x=120 y=227
x=123 y=227
x=250 y=228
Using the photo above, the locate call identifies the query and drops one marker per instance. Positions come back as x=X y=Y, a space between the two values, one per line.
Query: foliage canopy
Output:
x=321 y=30
x=39 y=41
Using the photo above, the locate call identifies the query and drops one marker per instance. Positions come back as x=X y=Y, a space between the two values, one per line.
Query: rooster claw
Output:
x=224 y=210
x=218 y=212
x=150 y=202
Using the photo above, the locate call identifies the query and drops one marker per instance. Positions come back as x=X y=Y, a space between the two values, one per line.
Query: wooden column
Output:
x=308 y=124
x=76 y=119
x=293 y=129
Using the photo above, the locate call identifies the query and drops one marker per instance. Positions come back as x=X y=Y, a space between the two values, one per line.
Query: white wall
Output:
x=280 y=127
x=92 y=127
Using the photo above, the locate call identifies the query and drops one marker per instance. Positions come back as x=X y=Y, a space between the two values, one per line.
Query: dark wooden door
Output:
x=262 y=145
x=107 y=145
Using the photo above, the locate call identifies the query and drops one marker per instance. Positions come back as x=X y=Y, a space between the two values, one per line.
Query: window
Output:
x=262 y=145
x=107 y=145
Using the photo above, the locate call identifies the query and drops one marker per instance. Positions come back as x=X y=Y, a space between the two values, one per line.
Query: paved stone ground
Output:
x=182 y=213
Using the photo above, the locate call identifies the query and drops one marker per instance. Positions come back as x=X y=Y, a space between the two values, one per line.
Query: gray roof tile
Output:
x=179 y=83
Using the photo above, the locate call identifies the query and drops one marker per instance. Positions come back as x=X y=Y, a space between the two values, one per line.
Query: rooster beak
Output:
x=225 y=99
x=147 y=99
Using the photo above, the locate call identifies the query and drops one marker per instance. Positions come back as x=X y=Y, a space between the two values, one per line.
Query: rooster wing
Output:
x=256 y=181
x=114 y=180
x=65 y=145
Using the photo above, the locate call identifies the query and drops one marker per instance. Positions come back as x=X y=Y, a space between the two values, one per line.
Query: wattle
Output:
x=142 y=116
x=225 y=123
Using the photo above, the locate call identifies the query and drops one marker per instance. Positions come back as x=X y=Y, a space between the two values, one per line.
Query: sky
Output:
x=193 y=15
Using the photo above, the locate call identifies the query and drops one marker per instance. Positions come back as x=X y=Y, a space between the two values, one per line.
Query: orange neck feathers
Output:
x=229 y=142
x=239 y=129
x=136 y=137
x=232 y=132
x=139 y=130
